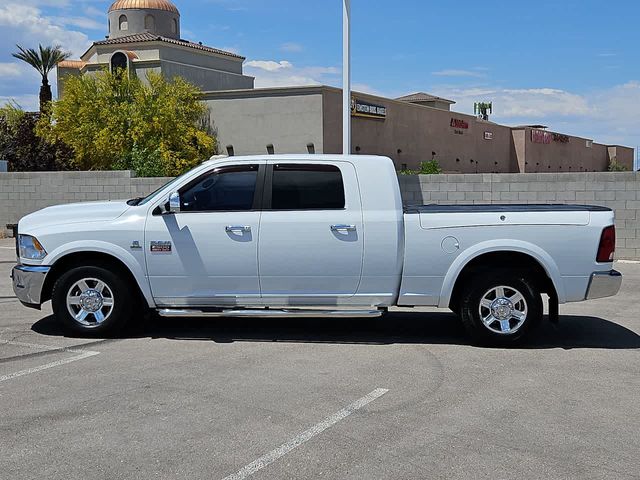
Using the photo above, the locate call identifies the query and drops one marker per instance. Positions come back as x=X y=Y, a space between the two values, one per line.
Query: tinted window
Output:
x=307 y=187
x=230 y=188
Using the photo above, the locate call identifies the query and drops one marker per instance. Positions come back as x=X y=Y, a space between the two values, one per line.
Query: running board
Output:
x=270 y=313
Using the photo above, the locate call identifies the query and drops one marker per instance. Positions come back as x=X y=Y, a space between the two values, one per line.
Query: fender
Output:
x=109 y=249
x=500 y=245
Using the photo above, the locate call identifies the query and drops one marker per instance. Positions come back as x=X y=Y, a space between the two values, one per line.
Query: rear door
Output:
x=311 y=233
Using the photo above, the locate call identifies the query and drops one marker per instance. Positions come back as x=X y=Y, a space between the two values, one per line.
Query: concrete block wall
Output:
x=23 y=193
x=617 y=190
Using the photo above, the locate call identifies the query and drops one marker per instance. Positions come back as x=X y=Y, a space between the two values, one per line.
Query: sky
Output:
x=570 y=64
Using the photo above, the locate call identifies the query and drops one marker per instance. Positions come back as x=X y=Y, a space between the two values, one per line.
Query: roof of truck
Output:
x=306 y=158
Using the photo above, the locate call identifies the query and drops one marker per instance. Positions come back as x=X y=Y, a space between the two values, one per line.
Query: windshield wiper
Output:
x=134 y=201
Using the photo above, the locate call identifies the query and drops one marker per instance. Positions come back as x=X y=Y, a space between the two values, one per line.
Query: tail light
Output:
x=607 y=247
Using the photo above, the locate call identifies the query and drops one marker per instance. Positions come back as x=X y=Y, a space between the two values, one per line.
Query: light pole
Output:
x=346 y=77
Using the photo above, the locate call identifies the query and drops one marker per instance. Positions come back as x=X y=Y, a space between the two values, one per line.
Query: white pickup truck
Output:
x=310 y=235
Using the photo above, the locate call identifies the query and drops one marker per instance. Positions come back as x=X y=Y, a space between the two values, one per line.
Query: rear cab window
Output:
x=306 y=187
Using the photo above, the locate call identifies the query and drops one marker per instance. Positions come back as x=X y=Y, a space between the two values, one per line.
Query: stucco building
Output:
x=144 y=35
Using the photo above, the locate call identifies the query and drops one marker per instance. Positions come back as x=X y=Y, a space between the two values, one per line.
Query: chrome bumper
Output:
x=27 y=283
x=604 y=284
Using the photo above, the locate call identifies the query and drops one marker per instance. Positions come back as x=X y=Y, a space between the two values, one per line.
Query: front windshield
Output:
x=152 y=195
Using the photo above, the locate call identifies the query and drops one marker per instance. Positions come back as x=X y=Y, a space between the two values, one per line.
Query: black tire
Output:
x=505 y=330
x=117 y=287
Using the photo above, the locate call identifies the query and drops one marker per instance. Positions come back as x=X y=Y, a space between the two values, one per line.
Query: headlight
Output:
x=30 y=248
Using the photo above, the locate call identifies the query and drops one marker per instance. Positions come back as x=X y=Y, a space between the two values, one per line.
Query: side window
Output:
x=224 y=189
x=307 y=187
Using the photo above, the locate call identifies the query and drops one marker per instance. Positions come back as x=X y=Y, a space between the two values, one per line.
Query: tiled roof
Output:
x=150 y=37
x=72 y=64
x=423 y=97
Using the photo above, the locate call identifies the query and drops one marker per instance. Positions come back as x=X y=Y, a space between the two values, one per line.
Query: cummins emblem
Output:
x=160 y=246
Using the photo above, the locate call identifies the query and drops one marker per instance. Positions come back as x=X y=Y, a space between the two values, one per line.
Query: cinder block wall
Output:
x=23 y=193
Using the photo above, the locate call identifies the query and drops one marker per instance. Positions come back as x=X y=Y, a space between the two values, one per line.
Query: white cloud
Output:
x=28 y=102
x=291 y=47
x=458 y=73
x=26 y=25
x=270 y=73
x=269 y=65
x=80 y=22
x=10 y=70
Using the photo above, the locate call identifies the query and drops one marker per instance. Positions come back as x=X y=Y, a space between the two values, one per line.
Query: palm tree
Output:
x=43 y=60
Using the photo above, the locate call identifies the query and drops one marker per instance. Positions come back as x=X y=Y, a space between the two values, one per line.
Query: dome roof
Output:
x=144 y=5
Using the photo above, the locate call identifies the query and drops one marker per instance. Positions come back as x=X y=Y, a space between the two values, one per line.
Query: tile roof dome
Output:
x=165 y=5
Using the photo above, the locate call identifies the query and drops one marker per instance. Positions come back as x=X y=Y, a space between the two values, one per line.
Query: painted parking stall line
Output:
x=81 y=355
x=305 y=436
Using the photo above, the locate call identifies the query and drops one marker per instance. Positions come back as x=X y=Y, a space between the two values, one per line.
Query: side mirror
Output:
x=174 y=203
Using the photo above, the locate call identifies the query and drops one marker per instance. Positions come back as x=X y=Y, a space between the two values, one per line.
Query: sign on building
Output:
x=365 y=109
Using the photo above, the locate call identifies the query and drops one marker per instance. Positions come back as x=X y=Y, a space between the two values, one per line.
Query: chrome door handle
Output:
x=350 y=228
x=237 y=228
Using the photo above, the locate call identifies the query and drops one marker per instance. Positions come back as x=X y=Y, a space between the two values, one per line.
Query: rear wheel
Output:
x=92 y=301
x=500 y=308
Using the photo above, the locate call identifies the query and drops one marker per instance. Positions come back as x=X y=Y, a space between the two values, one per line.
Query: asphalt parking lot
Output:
x=405 y=396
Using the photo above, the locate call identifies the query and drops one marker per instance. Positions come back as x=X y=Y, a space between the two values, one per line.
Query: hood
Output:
x=73 y=213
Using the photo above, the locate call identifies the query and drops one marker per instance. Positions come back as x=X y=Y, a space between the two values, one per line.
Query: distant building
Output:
x=144 y=35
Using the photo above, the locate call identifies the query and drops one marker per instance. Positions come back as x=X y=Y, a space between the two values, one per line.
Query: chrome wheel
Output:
x=90 y=302
x=503 y=310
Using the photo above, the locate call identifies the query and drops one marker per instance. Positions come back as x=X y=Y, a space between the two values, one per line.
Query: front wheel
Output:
x=500 y=308
x=92 y=301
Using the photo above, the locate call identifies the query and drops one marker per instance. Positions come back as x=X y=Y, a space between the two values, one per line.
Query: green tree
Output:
x=114 y=121
x=43 y=60
x=23 y=149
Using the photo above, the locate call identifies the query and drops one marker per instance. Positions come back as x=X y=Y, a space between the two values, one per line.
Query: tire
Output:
x=500 y=308
x=93 y=301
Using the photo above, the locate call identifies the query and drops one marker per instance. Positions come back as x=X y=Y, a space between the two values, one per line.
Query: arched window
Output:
x=174 y=26
x=123 y=23
x=149 y=23
x=119 y=63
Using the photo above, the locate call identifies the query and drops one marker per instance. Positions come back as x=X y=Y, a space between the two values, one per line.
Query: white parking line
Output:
x=305 y=436
x=82 y=354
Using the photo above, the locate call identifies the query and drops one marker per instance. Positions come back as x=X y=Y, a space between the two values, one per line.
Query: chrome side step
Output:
x=270 y=313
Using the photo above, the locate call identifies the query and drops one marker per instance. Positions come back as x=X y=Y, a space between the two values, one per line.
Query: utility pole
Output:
x=346 y=77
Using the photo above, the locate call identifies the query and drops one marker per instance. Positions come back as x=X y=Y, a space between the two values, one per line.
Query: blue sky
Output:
x=570 y=64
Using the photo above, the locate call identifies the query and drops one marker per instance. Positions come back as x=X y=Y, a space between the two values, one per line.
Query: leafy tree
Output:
x=43 y=60
x=113 y=121
x=23 y=149
x=615 y=166
x=431 y=167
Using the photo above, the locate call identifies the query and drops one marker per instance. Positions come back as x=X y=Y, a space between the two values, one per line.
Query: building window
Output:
x=311 y=148
x=174 y=26
x=149 y=23
x=123 y=23
x=270 y=149
x=230 y=151
x=119 y=63
x=307 y=187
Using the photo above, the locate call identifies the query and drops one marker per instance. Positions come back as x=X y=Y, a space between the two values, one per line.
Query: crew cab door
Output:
x=311 y=233
x=207 y=254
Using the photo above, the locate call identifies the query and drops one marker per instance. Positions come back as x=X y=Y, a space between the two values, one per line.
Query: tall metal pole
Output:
x=346 y=77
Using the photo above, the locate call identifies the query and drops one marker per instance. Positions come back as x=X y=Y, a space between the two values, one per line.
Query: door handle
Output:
x=350 y=228
x=237 y=228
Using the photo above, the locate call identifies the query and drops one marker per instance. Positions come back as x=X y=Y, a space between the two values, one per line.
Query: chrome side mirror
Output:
x=174 y=203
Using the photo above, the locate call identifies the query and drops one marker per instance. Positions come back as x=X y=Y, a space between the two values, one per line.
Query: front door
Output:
x=207 y=254
x=311 y=234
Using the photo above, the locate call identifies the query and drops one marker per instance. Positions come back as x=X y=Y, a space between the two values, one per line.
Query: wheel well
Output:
x=78 y=259
x=512 y=260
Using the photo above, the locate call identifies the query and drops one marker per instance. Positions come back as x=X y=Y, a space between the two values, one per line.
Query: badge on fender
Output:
x=160 y=246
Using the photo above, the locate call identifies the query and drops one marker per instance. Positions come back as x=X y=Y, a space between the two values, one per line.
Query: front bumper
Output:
x=28 y=281
x=604 y=284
